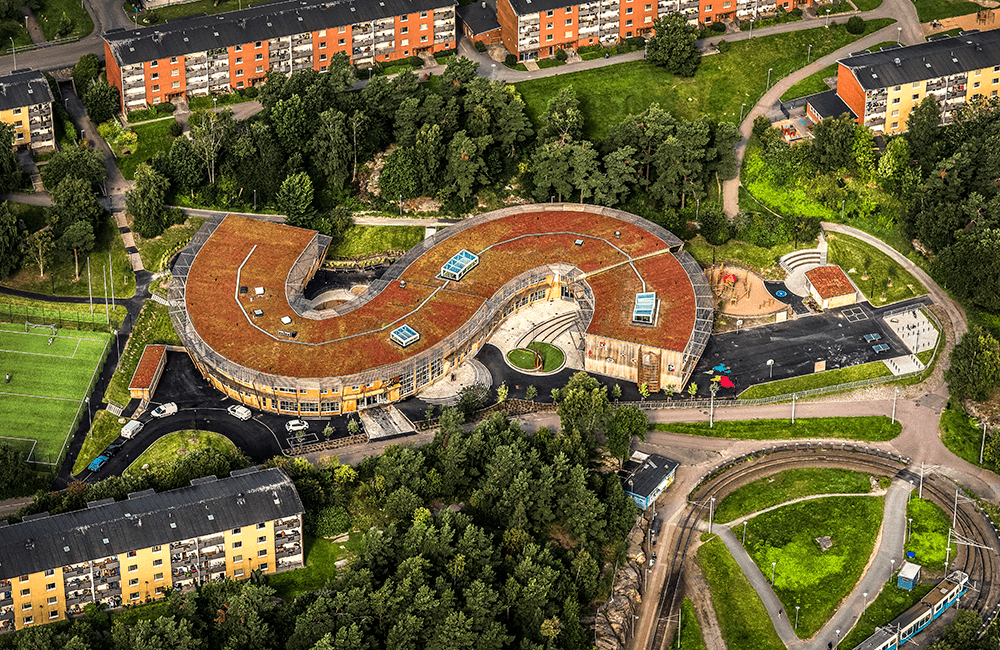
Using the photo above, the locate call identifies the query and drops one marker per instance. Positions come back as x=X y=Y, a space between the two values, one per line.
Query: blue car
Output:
x=97 y=463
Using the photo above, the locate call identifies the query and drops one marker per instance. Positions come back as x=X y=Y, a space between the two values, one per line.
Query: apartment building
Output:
x=26 y=104
x=535 y=29
x=131 y=551
x=881 y=88
x=205 y=55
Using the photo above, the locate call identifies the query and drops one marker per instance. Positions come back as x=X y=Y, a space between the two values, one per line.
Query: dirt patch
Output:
x=359 y=289
x=193 y=441
x=697 y=590
x=182 y=451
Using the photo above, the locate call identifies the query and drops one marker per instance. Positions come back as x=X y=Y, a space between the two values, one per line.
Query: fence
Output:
x=73 y=320
x=327 y=445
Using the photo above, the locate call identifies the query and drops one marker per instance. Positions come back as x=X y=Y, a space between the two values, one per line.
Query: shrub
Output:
x=176 y=129
x=723 y=46
x=332 y=521
x=637 y=42
x=856 y=25
x=166 y=108
x=797 y=12
x=480 y=46
x=561 y=55
x=415 y=61
x=251 y=92
x=510 y=61
x=718 y=27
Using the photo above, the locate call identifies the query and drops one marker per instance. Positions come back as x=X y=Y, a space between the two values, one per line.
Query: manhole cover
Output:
x=781 y=293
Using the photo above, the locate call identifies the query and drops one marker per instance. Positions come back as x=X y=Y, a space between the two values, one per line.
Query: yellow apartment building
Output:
x=26 y=104
x=129 y=552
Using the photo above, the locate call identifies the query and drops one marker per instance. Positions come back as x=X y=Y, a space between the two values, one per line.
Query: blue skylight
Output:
x=645 y=308
x=404 y=335
x=461 y=263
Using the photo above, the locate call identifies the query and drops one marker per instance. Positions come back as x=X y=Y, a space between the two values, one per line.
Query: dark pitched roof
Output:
x=258 y=23
x=23 y=88
x=523 y=7
x=645 y=476
x=829 y=104
x=938 y=58
x=146 y=519
x=480 y=17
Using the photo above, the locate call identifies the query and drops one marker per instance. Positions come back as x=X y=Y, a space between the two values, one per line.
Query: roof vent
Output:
x=954 y=60
x=173 y=524
x=216 y=33
x=211 y=517
x=259 y=291
x=897 y=62
x=106 y=541
x=286 y=320
x=65 y=549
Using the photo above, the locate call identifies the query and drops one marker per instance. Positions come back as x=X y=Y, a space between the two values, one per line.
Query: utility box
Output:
x=909 y=576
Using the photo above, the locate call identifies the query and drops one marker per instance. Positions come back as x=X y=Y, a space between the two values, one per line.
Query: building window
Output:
x=173 y=59
x=26 y=607
x=895 y=125
x=130 y=554
x=52 y=600
x=158 y=591
x=898 y=88
x=708 y=8
x=155 y=75
x=259 y=56
x=322 y=45
x=403 y=18
x=239 y=73
x=262 y=525
x=569 y=34
x=24 y=578
x=48 y=572
x=404 y=30
x=569 y=22
x=423 y=39
x=650 y=7
x=53 y=614
x=237 y=558
x=158 y=576
x=157 y=562
x=156 y=88
x=628 y=11
x=993 y=93
x=342 y=29
x=262 y=539
x=237 y=544
x=548 y=14
x=548 y=37
x=322 y=57
x=404 y=42
x=25 y=593
x=50 y=587
x=916 y=97
x=153 y=64
x=648 y=19
x=423 y=14
x=628 y=23
x=238 y=48
x=895 y=100
x=895 y=113
x=979 y=73
x=341 y=42
x=258 y=44
x=132 y=568
x=262 y=552
x=157 y=548
x=237 y=531
x=975 y=84
x=238 y=573
x=239 y=60
x=133 y=582
x=262 y=567
x=569 y=10
x=28 y=620
x=916 y=84
x=259 y=68
x=134 y=595
x=548 y=25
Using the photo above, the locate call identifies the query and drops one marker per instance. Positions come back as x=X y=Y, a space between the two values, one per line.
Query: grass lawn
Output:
x=552 y=357
x=153 y=136
x=156 y=252
x=61 y=314
x=880 y=278
x=804 y=575
x=362 y=241
x=48 y=382
x=152 y=326
x=165 y=451
x=102 y=434
x=521 y=358
x=963 y=436
x=928 y=10
x=741 y=614
x=891 y=602
x=206 y=101
x=869 y=428
x=60 y=276
x=13 y=29
x=760 y=259
x=814 y=83
x=928 y=533
x=50 y=14
x=867 y=5
x=690 y=633
x=723 y=81
x=162 y=14
x=816 y=380
x=321 y=556
x=788 y=485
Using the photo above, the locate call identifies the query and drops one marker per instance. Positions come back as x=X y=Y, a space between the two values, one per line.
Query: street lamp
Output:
x=892 y=569
x=894 y=396
x=768 y=85
x=711 y=513
x=809 y=53
x=827 y=18
x=838 y=631
x=744 y=533
x=13 y=51
x=796 y=617
x=89 y=416
x=744 y=105
x=866 y=602
x=773 y=564
x=751 y=30
x=770 y=368
x=713 y=389
x=899 y=32
x=909 y=528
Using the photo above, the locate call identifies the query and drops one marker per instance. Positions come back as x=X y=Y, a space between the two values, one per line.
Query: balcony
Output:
x=79 y=599
x=878 y=121
x=184 y=573
x=288 y=551
x=955 y=94
x=384 y=38
x=5 y=597
x=444 y=38
x=180 y=547
x=288 y=524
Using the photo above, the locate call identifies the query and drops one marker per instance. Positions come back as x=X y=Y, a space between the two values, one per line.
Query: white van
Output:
x=239 y=411
x=164 y=410
x=131 y=428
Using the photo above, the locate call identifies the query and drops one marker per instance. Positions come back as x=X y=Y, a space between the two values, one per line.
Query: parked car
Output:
x=164 y=410
x=296 y=425
x=111 y=450
x=132 y=428
x=97 y=463
x=239 y=411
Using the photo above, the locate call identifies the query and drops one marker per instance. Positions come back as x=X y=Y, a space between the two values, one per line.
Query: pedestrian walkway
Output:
x=31 y=24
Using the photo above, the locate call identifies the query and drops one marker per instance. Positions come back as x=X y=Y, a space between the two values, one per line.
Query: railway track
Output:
x=980 y=564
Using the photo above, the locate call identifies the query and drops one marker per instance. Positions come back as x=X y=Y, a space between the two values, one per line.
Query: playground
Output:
x=740 y=292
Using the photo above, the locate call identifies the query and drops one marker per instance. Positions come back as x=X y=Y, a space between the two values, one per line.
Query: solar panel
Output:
x=404 y=335
x=461 y=263
x=881 y=347
x=645 y=308
x=872 y=337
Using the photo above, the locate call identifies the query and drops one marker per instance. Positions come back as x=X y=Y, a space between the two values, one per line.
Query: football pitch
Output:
x=49 y=378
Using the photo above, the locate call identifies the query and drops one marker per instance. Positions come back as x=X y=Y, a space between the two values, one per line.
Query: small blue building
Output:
x=645 y=476
x=909 y=576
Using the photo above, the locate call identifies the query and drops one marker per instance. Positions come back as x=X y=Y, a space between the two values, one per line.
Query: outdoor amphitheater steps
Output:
x=810 y=257
x=548 y=331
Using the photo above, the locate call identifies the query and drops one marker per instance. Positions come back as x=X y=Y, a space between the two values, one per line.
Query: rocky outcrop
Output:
x=614 y=620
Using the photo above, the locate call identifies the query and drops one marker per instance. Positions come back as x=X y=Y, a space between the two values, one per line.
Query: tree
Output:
x=38 y=248
x=620 y=174
x=952 y=266
x=295 y=200
x=10 y=170
x=563 y=119
x=855 y=25
x=466 y=164
x=144 y=202
x=629 y=422
x=471 y=399
x=186 y=170
x=530 y=392
x=864 y=151
x=13 y=468
x=975 y=365
x=833 y=143
x=86 y=164
x=502 y=392
x=10 y=242
x=86 y=70
x=550 y=164
x=156 y=634
x=674 y=45
x=74 y=202
x=209 y=132
x=79 y=238
x=102 y=101
x=922 y=132
x=584 y=412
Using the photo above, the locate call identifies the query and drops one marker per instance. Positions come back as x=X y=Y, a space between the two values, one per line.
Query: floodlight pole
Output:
x=773 y=564
x=982 y=447
x=909 y=528
x=111 y=272
x=748 y=38
x=865 y=608
x=954 y=514
x=809 y=54
x=713 y=389
x=768 y=84
x=920 y=491
x=107 y=314
x=742 y=106
x=827 y=18
x=744 y=533
x=793 y=408
x=711 y=513
x=894 y=396
x=89 y=416
x=90 y=292
x=797 y=617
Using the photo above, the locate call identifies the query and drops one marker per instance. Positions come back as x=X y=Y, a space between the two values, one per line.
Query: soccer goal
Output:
x=28 y=326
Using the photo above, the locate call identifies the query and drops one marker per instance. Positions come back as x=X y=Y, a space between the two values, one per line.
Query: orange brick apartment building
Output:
x=205 y=55
x=537 y=28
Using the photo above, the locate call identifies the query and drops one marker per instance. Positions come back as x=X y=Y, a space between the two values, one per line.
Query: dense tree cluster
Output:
x=483 y=539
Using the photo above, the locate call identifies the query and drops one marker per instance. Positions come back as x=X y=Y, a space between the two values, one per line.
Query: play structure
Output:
x=740 y=292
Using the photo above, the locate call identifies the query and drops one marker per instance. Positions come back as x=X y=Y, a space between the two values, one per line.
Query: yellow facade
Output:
x=902 y=99
x=18 y=118
x=37 y=598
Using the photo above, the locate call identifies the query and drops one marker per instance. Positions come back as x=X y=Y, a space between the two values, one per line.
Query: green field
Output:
x=928 y=533
x=963 y=436
x=872 y=428
x=878 y=276
x=928 y=10
x=153 y=137
x=156 y=252
x=50 y=15
x=163 y=14
x=814 y=83
x=551 y=356
x=760 y=259
x=788 y=485
x=689 y=635
x=48 y=382
x=172 y=446
x=362 y=241
x=891 y=602
x=816 y=380
x=723 y=81
x=742 y=617
x=805 y=576
x=105 y=430
x=321 y=556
